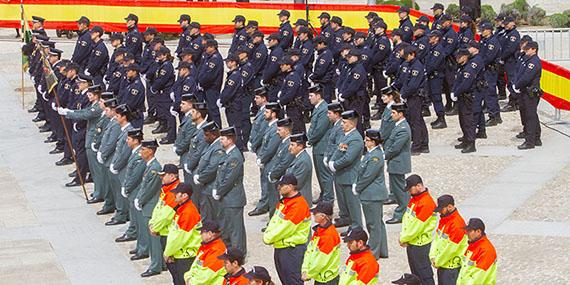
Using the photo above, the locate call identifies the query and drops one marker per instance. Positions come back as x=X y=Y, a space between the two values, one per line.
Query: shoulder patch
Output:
x=244 y=73
x=231 y=82
x=382 y=47
x=162 y=72
x=285 y=33
x=250 y=45
x=491 y=47
x=375 y=159
x=290 y=83
x=356 y=76
x=186 y=88
x=257 y=55
x=513 y=38
x=530 y=66
x=305 y=50
x=449 y=40
x=97 y=53
x=415 y=73
x=273 y=58
x=466 y=74
x=321 y=61
x=435 y=53
x=134 y=39
x=241 y=38
x=211 y=64
x=406 y=28
x=134 y=92
x=474 y=64
x=83 y=43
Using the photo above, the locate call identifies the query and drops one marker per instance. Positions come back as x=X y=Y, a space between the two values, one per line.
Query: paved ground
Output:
x=49 y=235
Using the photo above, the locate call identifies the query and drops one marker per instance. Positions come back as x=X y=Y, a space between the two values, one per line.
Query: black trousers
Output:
x=295 y=112
x=288 y=263
x=501 y=82
x=466 y=119
x=332 y=282
x=420 y=138
x=531 y=124
x=447 y=276
x=420 y=265
x=78 y=140
x=178 y=268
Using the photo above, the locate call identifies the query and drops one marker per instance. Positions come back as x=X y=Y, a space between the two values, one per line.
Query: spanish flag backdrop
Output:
x=216 y=18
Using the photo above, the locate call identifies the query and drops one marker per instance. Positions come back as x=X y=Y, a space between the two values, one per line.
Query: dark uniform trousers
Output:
x=373 y=211
x=234 y=228
x=450 y=70
x=272 y=196
x=108 y=193
x=210 y=209
x=435 y=87
x=491 y=98
x=78 y=141
x=332 y=282
x=447 y=276
x=178 y=268
x=501 y=82
x=420 y=265
x=528 y=105
x=295 y=112
x=288 y=262
x=478 y=115
x=466 y=122
x=121 y=203
x=235 y=116
x=134 y=216
x=143 y=235
x=420 y=139
x=164 y=104
x=359 y=105
x=511 y=67
x=150 y=100
x=397 y=186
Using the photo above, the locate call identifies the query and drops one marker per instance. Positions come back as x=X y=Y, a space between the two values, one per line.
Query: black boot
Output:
x=453 y=111
x=439 y=123
x=469 y=148
x=494 y=121
x=481 y=135
x=462 y=145
x=426 y=112
x=149 y=120
x=376 y=116
x=160 y=129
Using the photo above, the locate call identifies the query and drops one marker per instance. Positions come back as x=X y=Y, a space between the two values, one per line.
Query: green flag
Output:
x=26 y=36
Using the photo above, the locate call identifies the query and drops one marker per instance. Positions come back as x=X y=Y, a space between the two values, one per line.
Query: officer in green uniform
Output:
x=344 y=164
x=389 y=97
x=266 y=158
x=92 y=115
x=301 y=167
x=130 y=188
x=229 y=189
x=145 y=201
x=334 y=114
x=283 y=158
x=186 y=130
x=99 y=188
x=198 y=144
x=105 y=154
x=205 y=174
x=118 y=166
x=371 y=190
x=318 y=138
x=399 y=160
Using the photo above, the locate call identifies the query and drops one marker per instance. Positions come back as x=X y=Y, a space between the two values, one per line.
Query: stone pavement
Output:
x=49 y=235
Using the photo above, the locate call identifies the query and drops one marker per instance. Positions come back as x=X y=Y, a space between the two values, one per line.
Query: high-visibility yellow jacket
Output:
x=322 y=257
x=207 y=268
x=479 y=264
x=291 y=223
x=163 y=211
x=361 y=268
x=419 y=220
x=184 y=239
x=450 y=242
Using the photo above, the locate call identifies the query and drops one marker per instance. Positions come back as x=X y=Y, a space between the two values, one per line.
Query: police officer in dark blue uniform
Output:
x=66 y=101
x=353 y=90
x=210 y=76
x=337 y=31
x=134 y=94
x=184 y=38
x=466 y=33
x=195 y=38
x=437 y=9
x=307 y=48
x=394 y=60
x=326 y=30
x=83 y=44
x=240 y=36
x=285 y=30
x=424 y=20
x=258 y=58
x=527 y=86
x=511 y=42
x=272 y=73
x=499 y=34
x=118 y=71
x=247 y=73
x=324 y=70
x=290 y=95
x=412 y=90
x=463 y=92
x=406 y=25
x=450 y=43
x=421 y=41
x=133 y=39
x=480 y=88
x=435 y=72
x=490 y=51
x=161 y=88
x=342 y=67
x=382 y=48
x=231 y=98
x=371 y=18
x=97 y=62
x=118 y=47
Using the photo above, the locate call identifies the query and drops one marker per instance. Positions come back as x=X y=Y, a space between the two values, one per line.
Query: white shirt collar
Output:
x=400 y=121
x=287 y=137
x=319 y=104
x=199 y=126
x=151 y=160
x=373 y=149
x=346 y=134
x=230 y=149
x=337 y=122
x=136 y=148
x=216 y=140
x=390 y=104
x=272 y=122
x=300 y=153
x=125 y=126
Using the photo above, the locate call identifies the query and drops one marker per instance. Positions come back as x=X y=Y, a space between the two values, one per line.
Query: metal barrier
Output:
x=554 y=43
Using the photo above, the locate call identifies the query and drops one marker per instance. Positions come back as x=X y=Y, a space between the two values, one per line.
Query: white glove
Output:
x=259 y=164
x=516 y=90
x=336 y=91
x=199 y=87
x=172 y=96
x=63 y=111
x=186 y=168
x=337 y=71
x=249 y=146
x=215 y=195
x=87 y=72
x=310 y=81
x=93 y=147
x=112 y=169
x=340 y=98
x=100 y=157
x=124 y=192
x=53 y=106
x=196 y=179
x=331 y=166
x=279 y=94
x=354 y=190
x=325 y=160
x=174 y=149
x=261 y=82
x=384 y=74
x=172 y=112
x=453 y=97
x=75 y=127
x=219 y=103
x=40 y=88
x=269 y=178
x=137 y=206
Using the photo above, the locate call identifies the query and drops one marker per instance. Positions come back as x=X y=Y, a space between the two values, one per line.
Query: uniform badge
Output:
x=290 y=83
x=364 y=57
x=185 y=87
x=305 y=51
x=273 y=58
x=406 y=28
x=397 y=55
x=491 y=47
x=83 y=43
x=356 y=76
x=241 y=38
x=422 y=46
x=116 y=74
x=231 y=82
x=196 y=46
x=257 y=55
x=244 y=73
x=92 y=109
x=435 y=53
x=466 y=74
x=375 y=159
x=342 y=147
x=513 y=38
x=337 y=40
x=211 y=65
x=382 y=47
x=415 y=73
x=66 y=86
x=233 y=164
x=188 y=38
x=97 y=53
x=162 y=72
x=327 y=34
x=250 y=45
x=285 y=33
x=474 y=64
x=134 y=39
x=530 y=66
x=404 y=69
x=134 y=92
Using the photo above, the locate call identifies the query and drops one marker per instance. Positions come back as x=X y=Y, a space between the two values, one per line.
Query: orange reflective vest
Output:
x=450 y=242
x=479 y=264
x=290 y=225
x=322 y=257
x=163 y=212
x=184 y=238
x=361 y=269
x=236 y=279
x=419 y=220
x=207 y=268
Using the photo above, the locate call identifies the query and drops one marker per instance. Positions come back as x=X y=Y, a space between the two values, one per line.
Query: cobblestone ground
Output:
x=523 y=259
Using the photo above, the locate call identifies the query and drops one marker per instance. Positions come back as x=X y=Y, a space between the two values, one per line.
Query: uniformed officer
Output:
x=260 y=125
x=186 y=130
x=499 y=34
x=382 y=48
x=145 y=201
x=105 y=151
x=318 y=136
x=133 y=39
x=389 y=97
x=450 y=43
x=490 y=51
x=413 y=81
x=161 y=88
x=229 y=190
x=353 y=90
x=198 y=144
x=406 y=25
x=234 y=259
x=424 y=20
x=80 y=101
x=65 y=92
x=210 y=76
x=95 y=167
x=343 y=163
x=370 y=188
x=463 y=90
x=134 y=95
x=258 y=58
x=272 y=77
x=290 y=94
x=361 y=265
x=285 y=30
x=196 y=40
x=324 y=68
x=371 y=18
x=282 y=159
x=240 y=37
x=288 y=231
x=511 y=41
x=437 y=10
x=326 y=30
x=83 y=45
x=266 y=158
x=205 y=173
x=479 y=89
x=301 y=166
x=97 y=61
x=449 y=242
x=479 y=264
x=207 y=268
x=184 y=38
x=435 y=71
x=421 y=42
x=307 y=48
x=247 y=74
x=418 y=225
x=348 y=35
x=231 y=97
x=527 y=86
x=185 y=84
x=322 y=258
x=398 y=158
x=466 y=31
x=337 y=31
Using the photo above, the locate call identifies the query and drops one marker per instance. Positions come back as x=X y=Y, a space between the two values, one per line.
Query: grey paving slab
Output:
x=552 y=229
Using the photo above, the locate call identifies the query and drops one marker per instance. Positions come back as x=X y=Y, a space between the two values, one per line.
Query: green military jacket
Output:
x=269 y=146
x=92 y=115
x=149 y=190
x=387 y=124
x=370 y=183
x=135 y=169
x=109 y=141
x=122 y=150
x=283 y=160
x=258 y=130
x=196 y=149
x=335 y=134
x=99 y=131
x=229 y=179
x=208 y=166
x=186 y=131
x=397 y=149
x=302 y=169
x=319 y=129
x=345 y=157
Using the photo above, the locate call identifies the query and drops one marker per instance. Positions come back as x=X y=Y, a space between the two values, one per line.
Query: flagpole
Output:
x=22 y=22
x=22 y=88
